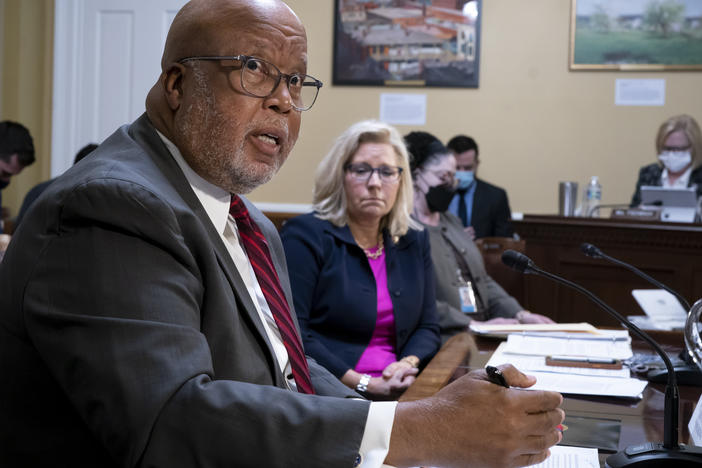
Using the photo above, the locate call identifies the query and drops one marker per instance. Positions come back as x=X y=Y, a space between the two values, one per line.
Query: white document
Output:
x=615 y=345
x=588 y=385
x=663 y=309
x=403 y=109
x=570 y=457
x=695 y=424
x=529 y=363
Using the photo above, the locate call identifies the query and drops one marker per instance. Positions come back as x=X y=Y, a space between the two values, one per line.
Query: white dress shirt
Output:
x=680 y=183
x=376 y=436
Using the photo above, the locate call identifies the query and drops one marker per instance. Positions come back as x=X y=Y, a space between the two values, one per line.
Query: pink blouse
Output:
x=381 y=349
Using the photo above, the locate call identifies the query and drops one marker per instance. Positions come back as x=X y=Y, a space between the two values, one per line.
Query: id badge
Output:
x=468 y=305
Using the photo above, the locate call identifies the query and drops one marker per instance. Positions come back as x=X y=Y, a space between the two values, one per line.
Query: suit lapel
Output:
x=144 y=133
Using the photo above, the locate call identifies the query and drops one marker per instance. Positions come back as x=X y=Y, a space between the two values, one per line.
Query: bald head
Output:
x=232 y=138
x=200 y=27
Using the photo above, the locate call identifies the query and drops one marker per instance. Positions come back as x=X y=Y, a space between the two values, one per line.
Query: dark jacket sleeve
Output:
x=503 y=216
x=304 y=251
x=424 y=341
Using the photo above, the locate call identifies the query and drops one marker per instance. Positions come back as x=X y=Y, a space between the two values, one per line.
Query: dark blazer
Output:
x=127 y=337
x=651 y=175
x=490 y=216
x=335 y=292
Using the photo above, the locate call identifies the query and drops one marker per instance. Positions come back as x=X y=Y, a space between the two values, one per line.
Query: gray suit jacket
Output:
x=492 y=300
x=127 y=337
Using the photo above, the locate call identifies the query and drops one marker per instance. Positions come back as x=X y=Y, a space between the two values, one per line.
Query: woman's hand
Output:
x=396 y=378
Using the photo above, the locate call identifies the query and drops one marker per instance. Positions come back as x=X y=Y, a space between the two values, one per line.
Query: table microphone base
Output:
x=654 y=455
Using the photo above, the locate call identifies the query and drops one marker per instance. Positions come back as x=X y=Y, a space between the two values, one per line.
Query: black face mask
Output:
x=439 y=197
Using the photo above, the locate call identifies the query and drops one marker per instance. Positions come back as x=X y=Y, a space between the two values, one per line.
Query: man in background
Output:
x=482 y=207
x=16 y=153
x=145 y=307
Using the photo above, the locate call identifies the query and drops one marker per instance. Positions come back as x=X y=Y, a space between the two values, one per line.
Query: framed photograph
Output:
x=407 y=43
x=636 y=35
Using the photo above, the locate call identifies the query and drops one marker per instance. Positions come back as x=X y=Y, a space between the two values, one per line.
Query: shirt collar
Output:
x=682 y=181
x=214 y=200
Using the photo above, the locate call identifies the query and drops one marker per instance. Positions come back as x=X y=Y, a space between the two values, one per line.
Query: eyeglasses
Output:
x=260 y=79
x=362 y=172
x=677 y=148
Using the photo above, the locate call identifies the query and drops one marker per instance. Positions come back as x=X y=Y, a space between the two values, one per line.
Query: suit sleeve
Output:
x=636 y=197
x=304 y=252
x=503 y=216
x=114 y=305
x=425 y=339
x=500 y=304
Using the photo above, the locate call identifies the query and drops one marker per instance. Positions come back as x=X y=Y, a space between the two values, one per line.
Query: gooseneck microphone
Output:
x=669 y=453
x=688 y=373
x=592 y=251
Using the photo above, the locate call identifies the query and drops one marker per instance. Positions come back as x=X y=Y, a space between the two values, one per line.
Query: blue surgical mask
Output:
x=465 y=178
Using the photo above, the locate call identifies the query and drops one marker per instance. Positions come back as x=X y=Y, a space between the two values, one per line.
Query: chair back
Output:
x=491 y=248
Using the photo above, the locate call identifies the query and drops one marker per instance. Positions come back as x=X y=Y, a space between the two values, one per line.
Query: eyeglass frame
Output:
x=373 y=170
x=245 y=58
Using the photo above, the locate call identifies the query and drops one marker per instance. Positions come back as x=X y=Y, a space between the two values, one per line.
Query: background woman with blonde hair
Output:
x=679 y=149
x=360 y=267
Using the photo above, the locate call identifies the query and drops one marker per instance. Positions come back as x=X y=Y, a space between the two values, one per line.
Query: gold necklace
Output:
x=377 y=253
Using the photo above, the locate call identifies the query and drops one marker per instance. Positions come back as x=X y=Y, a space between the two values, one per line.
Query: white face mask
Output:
x=675 y=161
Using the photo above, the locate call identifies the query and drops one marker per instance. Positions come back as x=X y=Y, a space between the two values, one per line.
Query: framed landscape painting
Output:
x=636 y=35
x=407 y=43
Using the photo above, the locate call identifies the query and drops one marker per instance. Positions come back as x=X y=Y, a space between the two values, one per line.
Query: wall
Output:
x=536 y=122
x=27 y=42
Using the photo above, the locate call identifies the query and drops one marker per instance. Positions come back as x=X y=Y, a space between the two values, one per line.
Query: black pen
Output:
x=495 y=376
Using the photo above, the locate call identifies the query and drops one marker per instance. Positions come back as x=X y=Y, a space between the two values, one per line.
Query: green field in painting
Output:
x=631 y=47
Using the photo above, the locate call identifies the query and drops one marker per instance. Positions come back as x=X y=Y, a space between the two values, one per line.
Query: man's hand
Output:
x=470 y=231
x=524 y=316
x=472 y=422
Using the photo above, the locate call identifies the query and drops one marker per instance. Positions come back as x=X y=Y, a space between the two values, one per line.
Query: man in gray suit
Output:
x=135 y=329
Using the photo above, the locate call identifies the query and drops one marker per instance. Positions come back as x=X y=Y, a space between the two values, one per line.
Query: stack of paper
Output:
x=527 y=352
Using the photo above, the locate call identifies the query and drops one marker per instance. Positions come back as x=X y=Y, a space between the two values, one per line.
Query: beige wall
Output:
x=27 y=48
x=536 y=122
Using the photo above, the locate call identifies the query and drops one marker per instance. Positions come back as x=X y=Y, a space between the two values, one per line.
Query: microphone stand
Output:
x=592 y=251
x=688 y=374
x=651 y=454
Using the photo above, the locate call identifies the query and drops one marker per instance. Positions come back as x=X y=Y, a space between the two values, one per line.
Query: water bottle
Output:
x=593 y=197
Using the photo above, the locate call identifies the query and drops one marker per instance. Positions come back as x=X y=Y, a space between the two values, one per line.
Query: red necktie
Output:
x=256 y=247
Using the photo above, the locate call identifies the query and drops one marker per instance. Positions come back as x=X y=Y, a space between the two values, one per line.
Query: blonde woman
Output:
x=360 y=267
x=679 y=150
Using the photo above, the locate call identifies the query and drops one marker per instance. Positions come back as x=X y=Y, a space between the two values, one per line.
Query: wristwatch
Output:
x=362 y=386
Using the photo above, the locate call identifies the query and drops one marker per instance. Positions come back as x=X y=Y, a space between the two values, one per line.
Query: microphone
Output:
x=669 y=453
x=596 y=208
x=688 y=374
x=592 y=251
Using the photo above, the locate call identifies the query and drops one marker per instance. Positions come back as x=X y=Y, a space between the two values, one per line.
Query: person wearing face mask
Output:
x=16 y=153
x=679 y=149
x=483 y=208
x=464 y=290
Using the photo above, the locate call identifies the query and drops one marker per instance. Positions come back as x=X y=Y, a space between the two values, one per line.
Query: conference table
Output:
x=641 y=420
